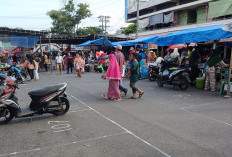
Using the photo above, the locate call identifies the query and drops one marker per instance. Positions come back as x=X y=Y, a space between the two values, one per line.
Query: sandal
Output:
x=105 y=97
x=117 y=99
x=140 y=95
x=132 y=97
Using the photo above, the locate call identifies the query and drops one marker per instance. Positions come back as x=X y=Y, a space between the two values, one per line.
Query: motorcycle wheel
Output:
x=24 y=75
x=6 y=115
x=19 y=79
x=183 y=83
x=160 y=82
x=151 y=77
x=65 y=107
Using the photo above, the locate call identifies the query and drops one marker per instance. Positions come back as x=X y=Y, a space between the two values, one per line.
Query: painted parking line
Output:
x=184 y=108
x=120 y=126
x=61 y=145
x=202 y=116
x=79 y=110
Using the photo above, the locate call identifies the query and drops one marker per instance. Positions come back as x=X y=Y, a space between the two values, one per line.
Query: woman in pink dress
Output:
x=79 y=65
x=113 y=74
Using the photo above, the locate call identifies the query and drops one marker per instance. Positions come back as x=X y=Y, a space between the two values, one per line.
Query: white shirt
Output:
x=59 y=59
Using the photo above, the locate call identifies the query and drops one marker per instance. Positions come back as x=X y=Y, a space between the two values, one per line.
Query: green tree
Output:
x=66 y=20
x=130 y=29
x=89 y=31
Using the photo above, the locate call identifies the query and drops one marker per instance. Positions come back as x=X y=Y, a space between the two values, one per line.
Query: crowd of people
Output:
x=30 y=63
x=66 y=62
x=119 y=66
x=115 y=67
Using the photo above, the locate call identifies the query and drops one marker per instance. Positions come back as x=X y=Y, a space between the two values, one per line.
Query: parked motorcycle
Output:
x=3 y=77
x=51 y=99
x=19 y=74
x=153 y=72
x=173 y=76
x=87 y=68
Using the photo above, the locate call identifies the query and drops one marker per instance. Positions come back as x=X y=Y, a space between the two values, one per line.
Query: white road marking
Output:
x=79 y=110
x=63 y=130
x=183 y=108
x=61 y=145
x=199 y=115
x=60 y=126
x=207 y=117
x=50 y=122
x=149 y=144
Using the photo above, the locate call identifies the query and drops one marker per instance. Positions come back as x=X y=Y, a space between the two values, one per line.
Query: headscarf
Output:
x=175 y=53
x=113 y=71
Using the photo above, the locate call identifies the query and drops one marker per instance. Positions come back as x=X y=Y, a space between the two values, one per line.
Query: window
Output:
x=192 y=16
x=186 y=1
x=165 y=6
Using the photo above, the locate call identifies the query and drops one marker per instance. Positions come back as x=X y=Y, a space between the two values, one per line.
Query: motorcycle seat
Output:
x=46 y=90
x=174 y=69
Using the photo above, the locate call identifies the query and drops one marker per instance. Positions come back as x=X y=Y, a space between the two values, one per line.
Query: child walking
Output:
x=134 y=76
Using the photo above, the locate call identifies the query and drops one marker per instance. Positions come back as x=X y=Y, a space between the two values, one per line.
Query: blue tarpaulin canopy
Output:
x=24 y=41
x=196 y=35
x=98 y=42
x=136 y=41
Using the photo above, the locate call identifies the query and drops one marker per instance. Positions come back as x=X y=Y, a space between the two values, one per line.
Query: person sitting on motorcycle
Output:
x=175 y=58
x=184 y=58
x=152 y=56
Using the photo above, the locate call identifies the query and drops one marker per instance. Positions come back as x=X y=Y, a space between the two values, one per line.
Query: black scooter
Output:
x=153 y=72
x=50 y=99
x=169 y=75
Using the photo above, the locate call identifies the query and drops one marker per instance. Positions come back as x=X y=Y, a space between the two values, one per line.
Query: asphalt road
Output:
x=162 y=123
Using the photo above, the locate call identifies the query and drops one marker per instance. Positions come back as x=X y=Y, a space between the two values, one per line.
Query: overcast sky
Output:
x=31 y=14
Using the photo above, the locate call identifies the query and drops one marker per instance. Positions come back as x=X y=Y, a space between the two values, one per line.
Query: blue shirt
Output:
x=9 y=62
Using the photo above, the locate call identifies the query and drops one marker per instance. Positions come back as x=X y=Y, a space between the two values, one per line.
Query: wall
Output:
x=182 y=17
x=201 y=14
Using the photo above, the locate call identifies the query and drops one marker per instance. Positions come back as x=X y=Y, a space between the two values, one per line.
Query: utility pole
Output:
x=104 y=20
x=137 y=20
x=101 y=19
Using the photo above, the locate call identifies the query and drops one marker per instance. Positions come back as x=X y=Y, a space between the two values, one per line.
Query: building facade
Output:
x=160 y=17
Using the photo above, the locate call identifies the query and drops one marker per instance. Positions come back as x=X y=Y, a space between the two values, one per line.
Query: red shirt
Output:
x=121 y=62
x=132 y=51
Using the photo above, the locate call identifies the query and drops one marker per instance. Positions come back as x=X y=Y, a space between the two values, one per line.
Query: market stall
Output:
x=100 y=48
x=197 y=35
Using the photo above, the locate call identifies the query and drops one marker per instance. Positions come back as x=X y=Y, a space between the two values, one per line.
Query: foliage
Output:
x=130 y=29
x=66 y=20
x=89 y=31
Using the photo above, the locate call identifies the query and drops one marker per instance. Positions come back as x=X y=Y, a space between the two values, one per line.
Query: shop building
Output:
x=160 y=17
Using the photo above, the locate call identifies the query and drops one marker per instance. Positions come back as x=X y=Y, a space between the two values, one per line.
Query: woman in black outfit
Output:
x=28 y=64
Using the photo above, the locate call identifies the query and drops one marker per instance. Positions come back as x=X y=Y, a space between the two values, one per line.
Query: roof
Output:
x=196 y=35
x=9 y=31
x=135 y=41
x=101 y=41
x=79 y=40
